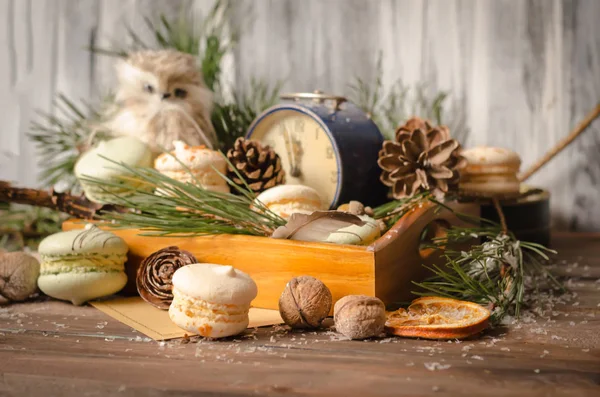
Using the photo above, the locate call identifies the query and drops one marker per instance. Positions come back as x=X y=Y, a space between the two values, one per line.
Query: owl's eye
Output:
x=148 y=88
x=179 y=93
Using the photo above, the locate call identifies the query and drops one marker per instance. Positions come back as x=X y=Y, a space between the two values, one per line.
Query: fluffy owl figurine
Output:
x=161 y=98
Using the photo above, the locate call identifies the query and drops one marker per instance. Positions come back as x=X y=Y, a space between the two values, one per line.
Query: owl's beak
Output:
x=165 y=95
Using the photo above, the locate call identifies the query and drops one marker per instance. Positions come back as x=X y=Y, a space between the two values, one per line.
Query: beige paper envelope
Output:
x=156 y=324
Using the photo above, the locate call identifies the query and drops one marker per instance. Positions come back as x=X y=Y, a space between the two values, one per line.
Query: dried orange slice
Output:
x=432 y=317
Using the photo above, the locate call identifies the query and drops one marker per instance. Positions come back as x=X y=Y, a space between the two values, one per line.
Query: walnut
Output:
x=18 y=276
x=353 y=207
x=359 y=316
x=305 y=302
x=382 y=226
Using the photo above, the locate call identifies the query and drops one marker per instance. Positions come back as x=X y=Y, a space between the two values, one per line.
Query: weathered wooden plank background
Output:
x=521 y=72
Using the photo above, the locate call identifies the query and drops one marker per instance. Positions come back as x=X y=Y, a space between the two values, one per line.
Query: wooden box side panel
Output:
x=271 y=263
x=398 y=260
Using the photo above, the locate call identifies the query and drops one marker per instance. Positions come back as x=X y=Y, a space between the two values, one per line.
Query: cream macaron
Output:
x=194 y=164
x=80 y=265
x=211 y=300
x=285 y=200
x=490 y=172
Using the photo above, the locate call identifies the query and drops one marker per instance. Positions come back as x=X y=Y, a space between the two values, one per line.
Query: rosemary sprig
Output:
x=482 y=264
x=490 y=273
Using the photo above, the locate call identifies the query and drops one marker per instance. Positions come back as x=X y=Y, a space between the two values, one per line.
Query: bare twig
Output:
x=500 y=215
x=561 y=145
x=77 y=206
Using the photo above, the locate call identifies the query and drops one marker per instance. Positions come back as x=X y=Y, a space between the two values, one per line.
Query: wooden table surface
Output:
x=53 y=348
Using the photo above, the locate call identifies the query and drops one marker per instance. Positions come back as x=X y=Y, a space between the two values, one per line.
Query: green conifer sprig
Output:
x=162 y=206
x=492 y=271
x=61 y=137
x=208 y=38
x=392 y=107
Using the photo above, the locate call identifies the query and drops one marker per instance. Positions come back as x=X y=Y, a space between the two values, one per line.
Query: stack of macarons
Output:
x=211 y=300
x=80 y=265
x=125 y=150
x=490 y=172
x=194 y=164
x=285 y=200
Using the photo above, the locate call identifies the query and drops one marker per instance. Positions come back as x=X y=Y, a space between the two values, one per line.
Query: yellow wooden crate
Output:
x=385 y=269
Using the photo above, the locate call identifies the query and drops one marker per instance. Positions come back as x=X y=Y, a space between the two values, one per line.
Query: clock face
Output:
x=307 y=153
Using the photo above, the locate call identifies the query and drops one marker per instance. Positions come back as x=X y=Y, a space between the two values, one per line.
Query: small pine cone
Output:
x=154 y=276
x=259 y=165
x=421 y=158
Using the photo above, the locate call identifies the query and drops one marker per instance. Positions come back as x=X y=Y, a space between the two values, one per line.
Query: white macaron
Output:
x=285 y=200
x=194 y=164
x=211 y=300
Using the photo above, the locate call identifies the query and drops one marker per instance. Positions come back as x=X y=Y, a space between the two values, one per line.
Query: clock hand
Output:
x=297 y=151
x=295 y=146
x=286 y=140
x=294 y=170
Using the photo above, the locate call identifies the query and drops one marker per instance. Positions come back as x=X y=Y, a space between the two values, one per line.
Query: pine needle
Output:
x=166 y=207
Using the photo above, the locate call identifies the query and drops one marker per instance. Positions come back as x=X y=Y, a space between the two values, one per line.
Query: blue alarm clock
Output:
x=327 y=143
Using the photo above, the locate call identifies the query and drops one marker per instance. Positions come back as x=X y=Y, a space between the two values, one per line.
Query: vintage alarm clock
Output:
x=327 y=143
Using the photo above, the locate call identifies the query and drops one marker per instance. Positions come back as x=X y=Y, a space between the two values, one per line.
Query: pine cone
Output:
x=421 y=158
x=155 y=274
x=259 y=165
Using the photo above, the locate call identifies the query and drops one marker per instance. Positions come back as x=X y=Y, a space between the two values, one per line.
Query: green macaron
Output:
x=357 y=235
x=80 y=265
x=95 y=164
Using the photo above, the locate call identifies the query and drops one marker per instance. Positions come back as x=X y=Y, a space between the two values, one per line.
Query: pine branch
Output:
x=24 y=226
x=60 y=138
x=208 y=38
x=164 y=206
x=31 y=221
x=232 y=119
